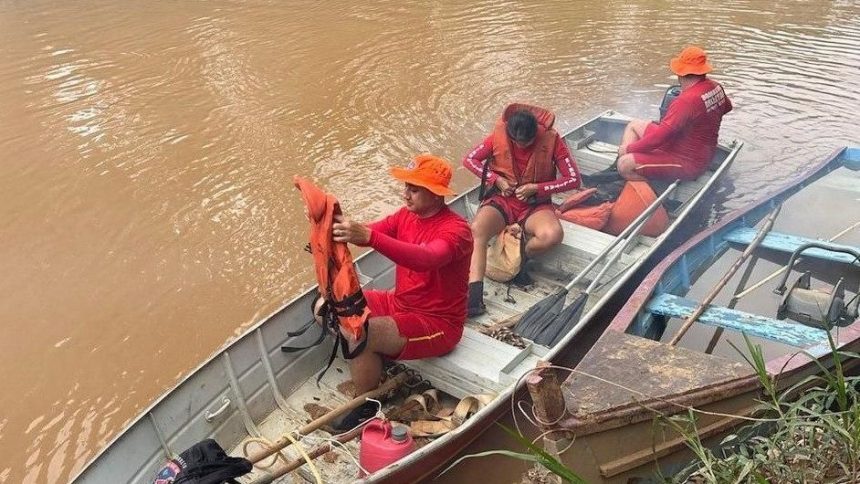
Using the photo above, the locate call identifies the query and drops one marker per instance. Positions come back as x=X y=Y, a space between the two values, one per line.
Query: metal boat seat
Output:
x=478 y=364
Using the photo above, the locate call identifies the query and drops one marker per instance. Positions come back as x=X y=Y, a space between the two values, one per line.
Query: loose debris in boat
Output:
x=505 y=335
x=316 y=411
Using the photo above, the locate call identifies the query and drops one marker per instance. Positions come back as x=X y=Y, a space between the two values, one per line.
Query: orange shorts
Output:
x=425 y=336
x=659 y=164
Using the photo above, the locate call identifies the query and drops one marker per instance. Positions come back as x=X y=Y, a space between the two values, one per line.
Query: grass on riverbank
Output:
x=809 y=432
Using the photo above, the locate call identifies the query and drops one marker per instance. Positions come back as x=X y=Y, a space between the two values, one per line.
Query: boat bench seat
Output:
x=478 y=364
x=785 y=332
x=789 y=243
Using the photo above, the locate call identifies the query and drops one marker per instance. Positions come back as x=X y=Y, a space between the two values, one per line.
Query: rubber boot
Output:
x=475 y=305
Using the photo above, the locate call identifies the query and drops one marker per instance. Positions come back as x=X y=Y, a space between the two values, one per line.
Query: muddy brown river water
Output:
x=147 y=151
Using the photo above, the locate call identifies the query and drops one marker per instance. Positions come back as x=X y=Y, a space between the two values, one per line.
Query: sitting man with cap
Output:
x=682 y=144
x=431 y=246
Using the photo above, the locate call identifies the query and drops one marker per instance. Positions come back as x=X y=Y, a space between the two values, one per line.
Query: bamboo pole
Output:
x=329 y=417
x=728 y=275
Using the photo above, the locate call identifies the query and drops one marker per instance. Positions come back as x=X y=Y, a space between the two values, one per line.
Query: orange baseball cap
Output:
x=428 y=171
x=691 y=60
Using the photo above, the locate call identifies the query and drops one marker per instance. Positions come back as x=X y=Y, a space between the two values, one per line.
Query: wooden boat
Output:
x=633 y=372
x=250 y=389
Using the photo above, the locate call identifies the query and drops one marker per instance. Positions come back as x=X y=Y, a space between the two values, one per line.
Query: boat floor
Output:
x=623 y=372
x=305 y=404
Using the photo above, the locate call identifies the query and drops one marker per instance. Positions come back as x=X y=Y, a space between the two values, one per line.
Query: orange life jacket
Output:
x=635 y=198
x=540 y=167
x=336 y=276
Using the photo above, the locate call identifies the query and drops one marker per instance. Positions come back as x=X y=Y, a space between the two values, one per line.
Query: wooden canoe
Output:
x=632 y=372
x=251 y=390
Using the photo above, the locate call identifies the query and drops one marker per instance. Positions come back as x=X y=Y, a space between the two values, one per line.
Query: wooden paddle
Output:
x=727 y=276
x=543 y=312
x=284 y=442
x=313 y=454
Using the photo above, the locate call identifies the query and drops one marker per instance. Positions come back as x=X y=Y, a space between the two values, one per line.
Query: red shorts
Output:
x=425 y=336
x=513 y=209
x=659 y=164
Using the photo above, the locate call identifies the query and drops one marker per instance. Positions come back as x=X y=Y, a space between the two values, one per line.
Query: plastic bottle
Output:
x=382 y=444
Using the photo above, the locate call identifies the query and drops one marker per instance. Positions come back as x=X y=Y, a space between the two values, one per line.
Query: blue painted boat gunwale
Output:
x=792 y=334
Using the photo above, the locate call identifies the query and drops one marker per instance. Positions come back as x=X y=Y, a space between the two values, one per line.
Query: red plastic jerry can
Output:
x=382 y=444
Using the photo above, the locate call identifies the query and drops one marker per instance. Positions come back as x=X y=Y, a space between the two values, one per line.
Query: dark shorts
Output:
x=513 y=209
x=661 y=164
x=425 y=336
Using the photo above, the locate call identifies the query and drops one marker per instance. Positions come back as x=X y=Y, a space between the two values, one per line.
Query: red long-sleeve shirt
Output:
x=564 y=162
x=691 y=125
x=432 y=256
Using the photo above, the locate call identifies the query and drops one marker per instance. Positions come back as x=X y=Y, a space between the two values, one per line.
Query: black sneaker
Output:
x=355 y=417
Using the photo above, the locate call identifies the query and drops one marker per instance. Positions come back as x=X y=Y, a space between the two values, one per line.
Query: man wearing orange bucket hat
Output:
x=682 y=144
x=431 y=246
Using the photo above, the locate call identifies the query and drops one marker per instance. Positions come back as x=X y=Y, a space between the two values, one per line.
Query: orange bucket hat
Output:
x=428 y=171
x=691 y=60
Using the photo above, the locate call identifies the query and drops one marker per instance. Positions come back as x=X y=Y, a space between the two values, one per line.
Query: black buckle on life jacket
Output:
x=351 y=305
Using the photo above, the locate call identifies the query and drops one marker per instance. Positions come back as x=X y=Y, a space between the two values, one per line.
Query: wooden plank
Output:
x=622 y=371
x=788 y=243
x=582 y=138
x=792 y=334
x=590 y=162
x=645 y=456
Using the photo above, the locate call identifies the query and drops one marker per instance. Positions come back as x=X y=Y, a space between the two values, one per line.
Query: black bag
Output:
x=205 y=463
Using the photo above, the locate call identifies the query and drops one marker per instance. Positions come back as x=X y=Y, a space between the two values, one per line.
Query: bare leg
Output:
x=627 y=168
x=487 y=223
x=545 y=231
x=634 y=130
x=383 y=338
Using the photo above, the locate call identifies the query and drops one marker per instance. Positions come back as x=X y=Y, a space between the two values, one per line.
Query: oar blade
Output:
x=565 y=321
x=537 y=316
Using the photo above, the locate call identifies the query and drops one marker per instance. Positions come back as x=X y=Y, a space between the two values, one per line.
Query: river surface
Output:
x=148 y=149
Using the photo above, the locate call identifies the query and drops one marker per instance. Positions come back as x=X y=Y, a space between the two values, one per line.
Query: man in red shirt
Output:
x=682 y=144
x=521 y=159
x=431 y=246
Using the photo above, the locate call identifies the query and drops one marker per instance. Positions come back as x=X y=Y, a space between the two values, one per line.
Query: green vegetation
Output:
x=809 y=432
x=535 y=454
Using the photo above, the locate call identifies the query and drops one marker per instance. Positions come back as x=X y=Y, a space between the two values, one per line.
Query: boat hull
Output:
x=236 y=392
x=617 y=441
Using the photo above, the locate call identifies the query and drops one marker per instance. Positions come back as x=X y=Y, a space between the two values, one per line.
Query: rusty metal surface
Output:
x=632 y=371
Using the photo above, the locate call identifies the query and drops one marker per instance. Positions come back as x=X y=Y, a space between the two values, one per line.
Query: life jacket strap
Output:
x=323 y=312
x=352 y=305
x=344 y=349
